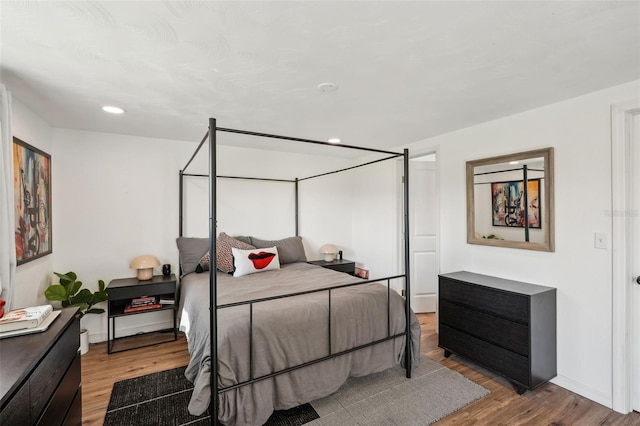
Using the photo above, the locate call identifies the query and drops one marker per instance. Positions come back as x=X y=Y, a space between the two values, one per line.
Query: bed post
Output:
x=180 y=209
x=180 y=204
x=213 y=280
x=525 y=192
x=296 y=201
x=407 y=258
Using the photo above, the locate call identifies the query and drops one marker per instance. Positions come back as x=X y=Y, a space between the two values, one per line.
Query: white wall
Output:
x=116 y=197
x=32 y=278
x=325 y=213
x=377 y=225
x=580 y=132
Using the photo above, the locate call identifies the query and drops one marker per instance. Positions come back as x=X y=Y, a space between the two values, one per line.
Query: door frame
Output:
x=421 y=152
x=622 y=275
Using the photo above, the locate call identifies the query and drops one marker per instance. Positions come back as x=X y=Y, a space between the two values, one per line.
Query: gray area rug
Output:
x=386 y=398
x=389 y=398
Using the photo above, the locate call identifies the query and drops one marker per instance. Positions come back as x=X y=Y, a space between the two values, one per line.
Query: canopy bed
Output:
x=288 y=334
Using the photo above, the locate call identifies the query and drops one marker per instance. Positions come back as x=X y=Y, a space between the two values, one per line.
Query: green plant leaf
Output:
x=75 y=287
x=84 y=296
x=95 y=311
x=83 y=307
x=56 y=292
x=64 y=278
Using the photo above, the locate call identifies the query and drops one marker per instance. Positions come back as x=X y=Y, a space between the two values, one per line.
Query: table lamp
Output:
x=329 y=251
x=145 y=264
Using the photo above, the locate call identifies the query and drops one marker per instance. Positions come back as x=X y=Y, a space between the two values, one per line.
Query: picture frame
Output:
x=507 y=204
x=32 y=201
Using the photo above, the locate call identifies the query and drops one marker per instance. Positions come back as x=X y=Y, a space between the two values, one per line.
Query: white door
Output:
x=635 y=253
x=423 y=215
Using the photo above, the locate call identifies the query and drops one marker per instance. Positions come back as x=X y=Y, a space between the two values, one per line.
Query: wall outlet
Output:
x=601 y=240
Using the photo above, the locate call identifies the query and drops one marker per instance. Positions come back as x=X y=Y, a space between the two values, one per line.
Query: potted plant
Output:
x=69 y=292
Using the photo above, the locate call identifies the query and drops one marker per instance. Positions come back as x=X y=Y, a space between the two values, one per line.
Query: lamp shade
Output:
x=145 y=264
x=329 y=251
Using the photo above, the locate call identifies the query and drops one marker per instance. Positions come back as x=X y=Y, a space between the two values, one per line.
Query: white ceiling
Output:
x=406 y=71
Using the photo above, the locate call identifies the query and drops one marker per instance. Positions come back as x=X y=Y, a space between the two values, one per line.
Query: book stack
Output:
x=25 y=318
x=143 y=303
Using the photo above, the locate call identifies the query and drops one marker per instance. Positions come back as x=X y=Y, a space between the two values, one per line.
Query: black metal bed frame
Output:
x=211 y=136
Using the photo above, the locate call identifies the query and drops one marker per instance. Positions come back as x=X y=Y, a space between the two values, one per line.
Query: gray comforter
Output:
x=287 y=332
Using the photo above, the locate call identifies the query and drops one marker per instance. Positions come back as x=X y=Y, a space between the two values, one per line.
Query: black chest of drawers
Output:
x=41 y=375
x=508 y=327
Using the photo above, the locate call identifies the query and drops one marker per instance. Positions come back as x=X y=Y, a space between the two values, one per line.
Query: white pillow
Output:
x=255 y=260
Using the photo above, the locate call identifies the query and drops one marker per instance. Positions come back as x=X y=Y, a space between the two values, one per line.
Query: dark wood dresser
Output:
x=40 y=375
x=508 y=327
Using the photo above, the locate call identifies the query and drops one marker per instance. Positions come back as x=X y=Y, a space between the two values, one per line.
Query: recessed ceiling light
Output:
x=112 y=109
x=333 y=140
x=514 y=162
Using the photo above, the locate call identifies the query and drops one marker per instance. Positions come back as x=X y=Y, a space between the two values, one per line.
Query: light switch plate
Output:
x=601 y=240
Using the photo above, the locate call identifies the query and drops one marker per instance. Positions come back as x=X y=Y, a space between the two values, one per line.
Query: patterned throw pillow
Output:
x=203 y=264
x=224 y=257
x=256 y=260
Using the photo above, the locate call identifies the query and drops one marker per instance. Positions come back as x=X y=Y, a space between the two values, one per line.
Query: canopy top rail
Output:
x=352 y=167
x=288 y=138
x=239 y=177
x=204 y=138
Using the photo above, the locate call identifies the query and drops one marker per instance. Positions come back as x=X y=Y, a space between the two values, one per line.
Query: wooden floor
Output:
x=547 y=405
x=100 y=371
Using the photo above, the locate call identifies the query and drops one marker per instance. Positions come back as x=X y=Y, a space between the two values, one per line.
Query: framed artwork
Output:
x=32 y=199
x=507 y=203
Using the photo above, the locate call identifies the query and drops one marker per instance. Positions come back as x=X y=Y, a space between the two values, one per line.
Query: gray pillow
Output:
x=246 y=240
x=191 y=251
x=290 y=249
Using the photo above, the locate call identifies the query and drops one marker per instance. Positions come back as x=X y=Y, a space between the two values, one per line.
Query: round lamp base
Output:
x=145 y=274
x=329 y=257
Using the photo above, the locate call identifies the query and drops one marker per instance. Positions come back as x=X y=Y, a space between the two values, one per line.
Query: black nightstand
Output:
x=121 y=291
x=341 y=265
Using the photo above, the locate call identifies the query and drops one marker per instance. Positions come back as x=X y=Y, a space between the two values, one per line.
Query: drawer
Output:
x=74 y=416
x=59 y=404
x=492 y=357
x=49 y=373
x=508 y=305
x=507 y=334
x=16 y=412
x=348 y=268
x=142 y=289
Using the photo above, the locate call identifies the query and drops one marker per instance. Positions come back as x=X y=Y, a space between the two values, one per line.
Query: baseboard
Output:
x=424 y=303
x=130 y=331
x=583 y=390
